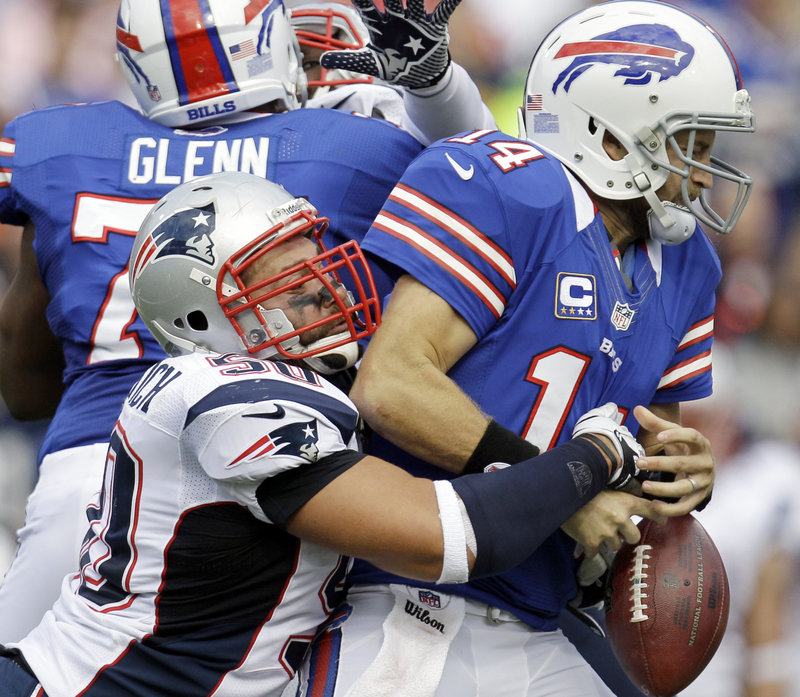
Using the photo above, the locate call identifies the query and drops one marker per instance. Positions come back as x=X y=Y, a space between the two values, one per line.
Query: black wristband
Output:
x=594 y=438
x=498 y=444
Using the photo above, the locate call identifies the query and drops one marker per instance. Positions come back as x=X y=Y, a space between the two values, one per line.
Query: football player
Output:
x=219 y=84
x=540 y=277
x=233 y=483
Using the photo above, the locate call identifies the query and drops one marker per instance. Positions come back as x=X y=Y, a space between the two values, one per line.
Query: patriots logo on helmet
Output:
x=643 y=52
x=187 y=233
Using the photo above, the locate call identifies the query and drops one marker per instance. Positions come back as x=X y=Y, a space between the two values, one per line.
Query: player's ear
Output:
x=614 y=149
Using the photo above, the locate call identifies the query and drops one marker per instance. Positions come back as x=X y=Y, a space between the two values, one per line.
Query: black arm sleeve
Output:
x=498 y=444
x=283 y=494
x=513 y=510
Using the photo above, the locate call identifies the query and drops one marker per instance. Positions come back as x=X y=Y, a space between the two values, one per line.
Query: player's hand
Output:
x=607 y=420
x=687 y=455
x=407 y=45
x=592 y=576
x=606 y=522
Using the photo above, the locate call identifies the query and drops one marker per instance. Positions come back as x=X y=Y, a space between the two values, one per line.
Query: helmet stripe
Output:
x=190 y=49
x=254 y=9
x=581 y=48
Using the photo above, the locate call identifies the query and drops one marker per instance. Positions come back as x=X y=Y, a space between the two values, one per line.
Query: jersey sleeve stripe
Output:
x=458 y=227
x=7 y=147
x=702 y=330
x=686 y=370
x=5 y=176
x=466 y=274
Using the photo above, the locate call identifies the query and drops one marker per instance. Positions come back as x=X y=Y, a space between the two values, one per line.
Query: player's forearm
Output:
x=451 y=106
x=416 y=528
x=31 y=360
x=422 y=411
x=31 y=396
x=30 y=370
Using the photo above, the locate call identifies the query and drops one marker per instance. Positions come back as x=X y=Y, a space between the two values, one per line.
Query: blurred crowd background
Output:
x=57 y=51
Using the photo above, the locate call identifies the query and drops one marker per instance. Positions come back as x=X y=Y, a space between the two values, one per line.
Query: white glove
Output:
x=407 y=45
x=607 y=421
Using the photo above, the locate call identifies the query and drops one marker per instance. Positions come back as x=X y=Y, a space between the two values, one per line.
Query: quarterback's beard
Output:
x=636 y=211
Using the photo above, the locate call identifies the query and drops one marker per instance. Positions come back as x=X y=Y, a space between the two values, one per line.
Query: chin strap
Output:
x=680 y=228
x=336 y=359
x=669 y=223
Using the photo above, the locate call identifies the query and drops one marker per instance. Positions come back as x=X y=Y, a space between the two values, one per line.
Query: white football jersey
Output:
x=188 y=583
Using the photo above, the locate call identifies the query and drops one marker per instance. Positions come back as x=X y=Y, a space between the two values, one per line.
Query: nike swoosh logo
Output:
x=464 y=173
x=279 y=413
x=340 y=102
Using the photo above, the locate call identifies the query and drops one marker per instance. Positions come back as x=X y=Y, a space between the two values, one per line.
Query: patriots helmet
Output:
x=189 y=62
x=329 y=26
x=202 y=280
x=643 y=71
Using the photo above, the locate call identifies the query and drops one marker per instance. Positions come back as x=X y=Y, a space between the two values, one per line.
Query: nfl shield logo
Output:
x=622 y=315
x=154 y=92
x=430 y=599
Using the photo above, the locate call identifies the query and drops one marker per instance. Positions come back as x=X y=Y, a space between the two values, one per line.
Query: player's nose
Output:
x=327 y=298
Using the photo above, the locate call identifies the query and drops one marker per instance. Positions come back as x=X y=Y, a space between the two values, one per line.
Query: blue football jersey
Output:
x=86 y=175
x=513 y=242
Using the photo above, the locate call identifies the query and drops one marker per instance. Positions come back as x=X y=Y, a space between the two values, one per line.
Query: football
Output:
x=667 y=605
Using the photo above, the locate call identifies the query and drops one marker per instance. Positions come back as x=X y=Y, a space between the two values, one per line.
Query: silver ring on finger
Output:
x=693 y=483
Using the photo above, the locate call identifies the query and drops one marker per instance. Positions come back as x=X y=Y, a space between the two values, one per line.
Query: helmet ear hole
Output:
x=197 y=321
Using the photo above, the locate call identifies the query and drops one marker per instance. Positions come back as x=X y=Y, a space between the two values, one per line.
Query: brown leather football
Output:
x=667 y=605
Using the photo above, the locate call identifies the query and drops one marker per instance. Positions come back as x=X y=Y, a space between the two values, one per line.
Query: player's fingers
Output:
x=443 y=11
x=647 y=509
x=696 y=485
x=360 y=61
x=682 y=506
x=682 y=436
x=394 y=7
x=650 y=421
x=366 y=7
x=630 y=533
x=682 y=459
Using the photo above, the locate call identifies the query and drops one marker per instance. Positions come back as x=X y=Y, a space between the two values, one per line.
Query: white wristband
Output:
x=455 y=567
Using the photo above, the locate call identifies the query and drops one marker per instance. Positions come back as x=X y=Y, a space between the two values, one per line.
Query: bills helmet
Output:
x=190 y=62
x=644 y=72
x=329 y=26
x=194 y=284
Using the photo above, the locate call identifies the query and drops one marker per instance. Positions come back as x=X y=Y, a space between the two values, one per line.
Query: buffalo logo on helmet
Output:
x=642 y=52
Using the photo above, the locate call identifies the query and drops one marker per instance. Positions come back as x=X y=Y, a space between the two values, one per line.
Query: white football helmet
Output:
x=196 y=243
x=329 y=26
x=188 y=66
x=644 y=71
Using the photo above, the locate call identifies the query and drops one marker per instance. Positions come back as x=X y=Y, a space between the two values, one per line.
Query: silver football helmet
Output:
x=200 y=242
x=329 y=26
x=644 y=71
x=187 y=66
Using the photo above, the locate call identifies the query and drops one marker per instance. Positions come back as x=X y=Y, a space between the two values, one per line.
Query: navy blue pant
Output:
x=16 y=681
